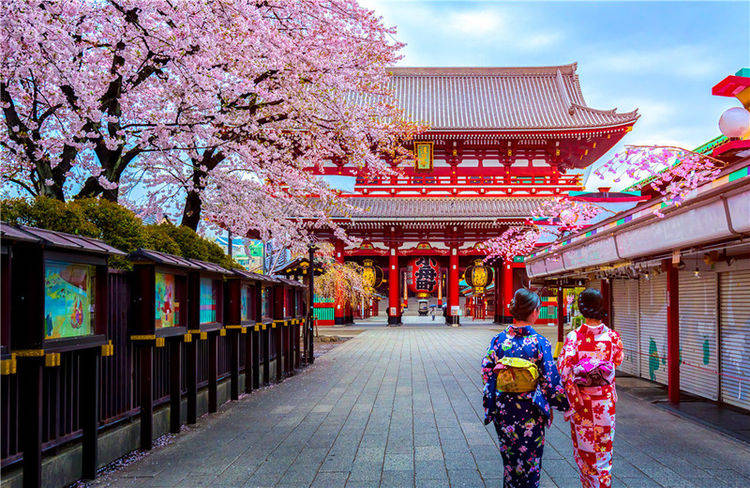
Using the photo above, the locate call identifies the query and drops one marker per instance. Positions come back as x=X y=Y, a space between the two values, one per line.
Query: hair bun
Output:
x=591 y=304
x=524 y=303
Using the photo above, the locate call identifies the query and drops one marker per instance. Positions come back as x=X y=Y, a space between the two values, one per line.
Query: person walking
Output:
x=587 y=365
x=521 y=386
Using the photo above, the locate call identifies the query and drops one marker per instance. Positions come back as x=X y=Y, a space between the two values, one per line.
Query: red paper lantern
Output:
x=423 y=276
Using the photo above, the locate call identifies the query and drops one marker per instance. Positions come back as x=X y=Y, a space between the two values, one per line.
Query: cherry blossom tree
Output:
x=670 y=172
x=219 y=108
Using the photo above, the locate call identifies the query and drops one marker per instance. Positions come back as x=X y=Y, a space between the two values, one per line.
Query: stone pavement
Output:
x=401 y=407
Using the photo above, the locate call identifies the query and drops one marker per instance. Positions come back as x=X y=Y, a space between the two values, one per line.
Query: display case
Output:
x=54 y=303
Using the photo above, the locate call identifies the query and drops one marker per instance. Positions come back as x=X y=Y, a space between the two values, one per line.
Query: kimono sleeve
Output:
x=549 y=378
x=489 y=360
x=567 y=356
x=616 y=349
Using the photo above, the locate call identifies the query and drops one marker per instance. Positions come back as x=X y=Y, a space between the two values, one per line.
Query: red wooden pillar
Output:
x=394 y=279
x=507 y=290
x=673 y=332
x=560 y=308
x=497 y=272
x=339 y=310
x=453 y=303
x=607 y=302
x=440 y=288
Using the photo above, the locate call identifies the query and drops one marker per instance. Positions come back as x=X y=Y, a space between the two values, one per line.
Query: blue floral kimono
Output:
x=520 y=418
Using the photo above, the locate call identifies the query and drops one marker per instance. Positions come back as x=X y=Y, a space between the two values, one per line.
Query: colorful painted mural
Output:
x=69 y=299
x=166 y=308
x=245 y=303
x=209 y=300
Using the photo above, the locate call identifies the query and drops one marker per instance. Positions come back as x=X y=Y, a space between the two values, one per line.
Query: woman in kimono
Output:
x=587 y=366
x=520 y=418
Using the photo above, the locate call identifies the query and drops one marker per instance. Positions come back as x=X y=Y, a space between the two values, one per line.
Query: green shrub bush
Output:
x=114 y=224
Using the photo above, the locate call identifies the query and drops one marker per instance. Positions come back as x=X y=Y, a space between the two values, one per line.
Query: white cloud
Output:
x=688 y=61
x=476 y=23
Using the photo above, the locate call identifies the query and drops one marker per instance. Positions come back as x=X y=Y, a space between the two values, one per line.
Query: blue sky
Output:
x=660 y=57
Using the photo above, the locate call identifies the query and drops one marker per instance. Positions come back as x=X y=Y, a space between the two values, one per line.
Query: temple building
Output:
x=500 y=141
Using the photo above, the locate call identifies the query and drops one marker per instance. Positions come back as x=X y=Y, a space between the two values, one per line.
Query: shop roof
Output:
x=57 y=240
x=162 y=258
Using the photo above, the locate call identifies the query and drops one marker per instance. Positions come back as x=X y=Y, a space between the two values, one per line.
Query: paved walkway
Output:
x=401 y=407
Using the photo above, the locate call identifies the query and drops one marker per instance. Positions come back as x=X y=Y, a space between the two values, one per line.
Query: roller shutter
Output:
x=652 y=302
x=595 y=284
x=734 y=333
x=698 y=334
x=625 y=322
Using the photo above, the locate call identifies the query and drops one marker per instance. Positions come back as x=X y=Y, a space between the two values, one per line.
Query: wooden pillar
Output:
x=499 y=304
x=453 y=278
x=234 y=363
x=191 y=378
x=175 y=385
x=339 y=307
x=673 y=332
x=252 y=360
x=90 y=367
x=607 y=302
x=279 y=347
x=310 y=322
x=146 y=356
x=30 y=370
x=394 y=280
x=265 y=337
x=213 y=370
x=560 y=315
x=507 y=290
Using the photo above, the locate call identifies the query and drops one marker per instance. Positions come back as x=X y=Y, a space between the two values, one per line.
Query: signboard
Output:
x=423 y=154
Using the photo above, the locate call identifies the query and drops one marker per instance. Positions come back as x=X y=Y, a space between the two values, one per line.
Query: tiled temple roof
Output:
x=441 y=208
x=535 y=98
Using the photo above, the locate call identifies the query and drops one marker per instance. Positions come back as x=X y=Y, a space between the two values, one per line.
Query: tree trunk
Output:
x=191 y=214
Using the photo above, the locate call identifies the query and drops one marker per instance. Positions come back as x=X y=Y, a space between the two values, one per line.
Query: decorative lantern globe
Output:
x=478 y=276
x=423 y=276
x=735 y=122
x=372 y=274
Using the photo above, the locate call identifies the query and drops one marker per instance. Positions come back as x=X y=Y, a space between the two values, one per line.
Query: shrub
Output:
x=113 y=224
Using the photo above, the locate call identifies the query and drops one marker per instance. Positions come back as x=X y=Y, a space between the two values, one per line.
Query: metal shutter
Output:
x=734 y=312
x=595 y=284
x=652 y=301
x=625 y=304
x=698 y=333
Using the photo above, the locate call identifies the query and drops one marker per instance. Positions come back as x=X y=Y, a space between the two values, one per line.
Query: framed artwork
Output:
x=209 y=298
x=69 y=299
x=423 y=155
x=166 y=306
x=245 y=303
x=266 y=302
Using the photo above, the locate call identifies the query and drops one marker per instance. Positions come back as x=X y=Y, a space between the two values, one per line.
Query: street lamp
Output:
x=735 y=122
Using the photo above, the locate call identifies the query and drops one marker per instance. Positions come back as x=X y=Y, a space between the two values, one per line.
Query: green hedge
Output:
x=115 y=225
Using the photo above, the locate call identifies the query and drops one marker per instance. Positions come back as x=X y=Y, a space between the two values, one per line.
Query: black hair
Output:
x=591 y=304
x=524 y=303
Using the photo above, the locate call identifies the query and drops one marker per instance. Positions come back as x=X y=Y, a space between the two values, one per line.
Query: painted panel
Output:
x=537 y=268
x=599 y=252
x=739 y=211
x=208 y=301
x=245 y=303
x=693 y=227
x=69 y=299
x=166 y=306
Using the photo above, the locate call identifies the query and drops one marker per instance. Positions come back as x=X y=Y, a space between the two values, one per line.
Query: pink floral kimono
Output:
x=587 y=366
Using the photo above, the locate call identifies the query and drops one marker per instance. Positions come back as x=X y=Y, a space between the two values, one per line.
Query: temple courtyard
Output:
x=401 y=407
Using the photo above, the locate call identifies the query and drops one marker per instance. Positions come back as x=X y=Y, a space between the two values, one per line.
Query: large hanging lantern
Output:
x=423 y=276
x=372 y=274
x=478 y=276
